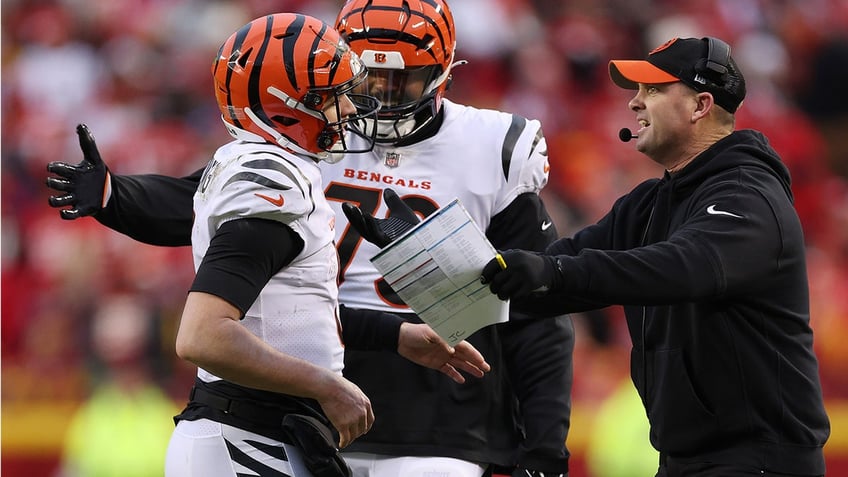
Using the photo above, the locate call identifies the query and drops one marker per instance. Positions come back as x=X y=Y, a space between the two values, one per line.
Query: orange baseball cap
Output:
x=703 y=64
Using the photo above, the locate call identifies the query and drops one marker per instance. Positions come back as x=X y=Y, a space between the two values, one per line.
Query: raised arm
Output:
x=150 y=208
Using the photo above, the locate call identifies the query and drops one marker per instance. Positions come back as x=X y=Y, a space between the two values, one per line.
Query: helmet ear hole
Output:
x=285 y=120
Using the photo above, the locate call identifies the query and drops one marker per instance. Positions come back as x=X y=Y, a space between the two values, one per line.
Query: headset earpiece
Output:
x=715 y=65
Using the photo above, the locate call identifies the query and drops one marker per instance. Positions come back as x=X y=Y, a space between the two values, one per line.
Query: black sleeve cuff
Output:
x=151 y=208
x=370 y=330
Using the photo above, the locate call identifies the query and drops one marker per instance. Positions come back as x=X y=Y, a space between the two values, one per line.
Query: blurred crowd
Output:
x=137 y=72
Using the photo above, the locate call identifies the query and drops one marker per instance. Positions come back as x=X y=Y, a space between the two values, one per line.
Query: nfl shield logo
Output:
x=392 y=159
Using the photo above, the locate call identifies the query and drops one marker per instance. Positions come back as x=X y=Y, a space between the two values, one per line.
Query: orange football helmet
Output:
x=274 y=78
x=408 y=47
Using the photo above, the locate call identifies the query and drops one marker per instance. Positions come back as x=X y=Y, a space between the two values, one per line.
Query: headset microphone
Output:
x=626 y=135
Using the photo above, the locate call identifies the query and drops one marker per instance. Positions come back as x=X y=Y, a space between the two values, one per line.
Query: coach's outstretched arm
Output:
x=150 y=208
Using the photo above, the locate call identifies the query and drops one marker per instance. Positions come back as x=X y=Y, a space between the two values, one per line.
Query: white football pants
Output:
x=205 y=448
x=377 y=465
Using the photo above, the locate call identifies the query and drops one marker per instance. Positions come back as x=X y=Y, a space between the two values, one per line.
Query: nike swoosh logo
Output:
x=278 y=201
x=713 y=211
x=546 y=225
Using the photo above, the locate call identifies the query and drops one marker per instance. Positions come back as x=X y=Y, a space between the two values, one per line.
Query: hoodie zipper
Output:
x=643 y=327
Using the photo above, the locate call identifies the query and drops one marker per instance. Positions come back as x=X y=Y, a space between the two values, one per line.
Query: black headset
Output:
x=715 y=65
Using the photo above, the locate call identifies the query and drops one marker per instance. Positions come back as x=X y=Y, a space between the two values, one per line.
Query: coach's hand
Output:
x=84 y=184
x=382 y=232
x=525 y=273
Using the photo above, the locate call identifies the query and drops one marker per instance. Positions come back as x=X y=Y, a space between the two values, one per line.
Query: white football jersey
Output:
x=297 y=310
x=483 y=157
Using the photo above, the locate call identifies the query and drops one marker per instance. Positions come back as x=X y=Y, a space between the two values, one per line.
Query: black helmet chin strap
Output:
x=428 y=130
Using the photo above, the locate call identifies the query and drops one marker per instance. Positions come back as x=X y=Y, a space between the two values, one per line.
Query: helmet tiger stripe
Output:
x=273 y=77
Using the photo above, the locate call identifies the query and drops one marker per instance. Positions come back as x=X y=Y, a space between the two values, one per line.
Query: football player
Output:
x=260 y=318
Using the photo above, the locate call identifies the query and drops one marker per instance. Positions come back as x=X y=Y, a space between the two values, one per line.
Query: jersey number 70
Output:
x=368 y=199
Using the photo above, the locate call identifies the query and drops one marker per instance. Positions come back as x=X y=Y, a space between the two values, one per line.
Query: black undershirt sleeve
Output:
x=242 y=256
x=370 y=329
x=151 y=208
x=237 y=266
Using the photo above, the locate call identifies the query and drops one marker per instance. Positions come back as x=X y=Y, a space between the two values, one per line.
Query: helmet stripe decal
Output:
x=237 y=42
x=253 y=93
x=420 y=43
x=336 y=61
x=512 y=135
x=315 y=43
x=442 y=13
x=292 y=34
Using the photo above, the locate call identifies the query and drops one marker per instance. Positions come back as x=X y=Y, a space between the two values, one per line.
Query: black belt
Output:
x=267 y=416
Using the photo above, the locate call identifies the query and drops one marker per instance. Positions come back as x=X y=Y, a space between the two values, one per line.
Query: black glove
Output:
x=84 y=183
x=525 y=273
x=519 y=472
x=317 y=444
x=382 y=232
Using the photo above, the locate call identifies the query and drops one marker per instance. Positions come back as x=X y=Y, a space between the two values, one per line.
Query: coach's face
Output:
x=665 y=113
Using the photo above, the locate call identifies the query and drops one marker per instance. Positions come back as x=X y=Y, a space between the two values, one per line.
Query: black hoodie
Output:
x=709 y=264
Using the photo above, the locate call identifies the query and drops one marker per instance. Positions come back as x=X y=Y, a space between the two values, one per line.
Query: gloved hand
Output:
x=519 y=472
x=382 y=232
x=84 y=184
x=316 y=442
x=525 y=273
